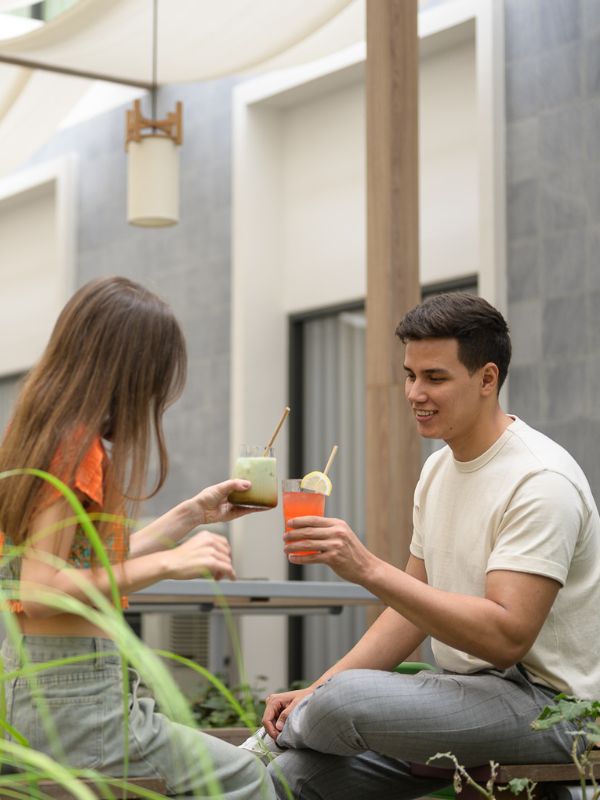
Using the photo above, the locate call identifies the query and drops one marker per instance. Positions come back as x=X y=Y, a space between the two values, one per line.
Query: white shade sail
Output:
x=12 y=5
x=344 y=30
x=35 y=114
x=196 y=40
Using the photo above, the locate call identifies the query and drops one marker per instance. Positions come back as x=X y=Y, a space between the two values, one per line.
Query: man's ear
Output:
x=489 y=378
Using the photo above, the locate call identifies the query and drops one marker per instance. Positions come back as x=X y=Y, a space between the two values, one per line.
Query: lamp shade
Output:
x=153 y=182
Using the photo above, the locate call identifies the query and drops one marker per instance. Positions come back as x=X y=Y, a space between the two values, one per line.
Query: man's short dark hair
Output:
x=479 y=328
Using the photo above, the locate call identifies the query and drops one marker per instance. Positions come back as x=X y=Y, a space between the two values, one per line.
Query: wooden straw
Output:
x=286 y=411
x=330 y=461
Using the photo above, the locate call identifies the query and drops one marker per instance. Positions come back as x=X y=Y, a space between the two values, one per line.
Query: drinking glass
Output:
x=258 y=465
x=299 y=502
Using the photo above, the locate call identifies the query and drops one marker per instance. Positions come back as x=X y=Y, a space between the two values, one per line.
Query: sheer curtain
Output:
x=334 y=413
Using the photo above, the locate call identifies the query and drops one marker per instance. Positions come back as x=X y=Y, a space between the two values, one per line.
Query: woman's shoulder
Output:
x=80 y=463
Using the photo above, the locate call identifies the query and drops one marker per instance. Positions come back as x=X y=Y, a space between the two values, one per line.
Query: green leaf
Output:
x=566 y=709
x=518 y=785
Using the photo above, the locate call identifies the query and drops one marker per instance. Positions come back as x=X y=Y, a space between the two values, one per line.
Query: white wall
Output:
x=323 y=200
x=323 y=213
x=448 y=164
x=258 y=353
x=37 y=233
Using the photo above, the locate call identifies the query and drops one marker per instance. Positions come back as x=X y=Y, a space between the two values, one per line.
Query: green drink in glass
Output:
x=257 y=464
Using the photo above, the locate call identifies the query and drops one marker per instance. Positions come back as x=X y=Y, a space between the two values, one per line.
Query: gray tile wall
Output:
x=189 y=264
x=553 y=220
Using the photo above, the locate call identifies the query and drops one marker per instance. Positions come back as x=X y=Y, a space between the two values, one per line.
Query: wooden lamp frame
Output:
x=139 y=127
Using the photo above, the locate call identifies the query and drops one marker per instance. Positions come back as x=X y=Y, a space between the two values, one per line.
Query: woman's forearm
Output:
x=202 y=555
x=81 y=584
x=164 y=532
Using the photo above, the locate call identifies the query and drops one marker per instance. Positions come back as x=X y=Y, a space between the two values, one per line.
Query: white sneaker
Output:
x=262 y=746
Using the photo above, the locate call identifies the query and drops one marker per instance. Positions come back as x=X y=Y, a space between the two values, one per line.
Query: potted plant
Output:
x=235 y=715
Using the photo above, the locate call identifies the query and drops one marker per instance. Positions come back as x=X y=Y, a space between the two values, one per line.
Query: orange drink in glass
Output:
x=299 y=502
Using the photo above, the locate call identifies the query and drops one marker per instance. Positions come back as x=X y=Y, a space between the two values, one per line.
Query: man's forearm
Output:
x=388 y=642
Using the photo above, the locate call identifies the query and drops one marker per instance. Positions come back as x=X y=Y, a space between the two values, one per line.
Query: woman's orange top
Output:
x=89 y=479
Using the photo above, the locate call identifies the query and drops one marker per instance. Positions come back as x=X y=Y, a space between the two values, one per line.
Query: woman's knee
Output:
x=253 y=778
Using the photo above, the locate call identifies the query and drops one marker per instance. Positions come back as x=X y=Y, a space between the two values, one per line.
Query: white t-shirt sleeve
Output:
x=540 y=527
x=416 y=544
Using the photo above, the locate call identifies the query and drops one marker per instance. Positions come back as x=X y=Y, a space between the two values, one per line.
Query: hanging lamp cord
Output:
x=154 y=57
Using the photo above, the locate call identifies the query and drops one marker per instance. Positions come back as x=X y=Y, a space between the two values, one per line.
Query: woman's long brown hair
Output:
x=115 y=361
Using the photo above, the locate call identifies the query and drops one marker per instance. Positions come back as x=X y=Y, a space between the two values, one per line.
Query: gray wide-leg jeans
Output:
x=354 y=738
x=84 y=706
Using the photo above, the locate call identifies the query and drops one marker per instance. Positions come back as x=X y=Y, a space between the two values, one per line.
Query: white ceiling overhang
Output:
x=197 y=40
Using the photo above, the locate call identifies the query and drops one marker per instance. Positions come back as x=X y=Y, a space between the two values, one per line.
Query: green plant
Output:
x=487 y=790
x=213 y=709
x=586 y=716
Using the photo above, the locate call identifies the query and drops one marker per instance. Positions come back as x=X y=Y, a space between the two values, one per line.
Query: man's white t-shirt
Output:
x=523 y=505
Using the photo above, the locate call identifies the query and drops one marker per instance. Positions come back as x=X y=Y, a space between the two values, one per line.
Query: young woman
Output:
x=88 y=413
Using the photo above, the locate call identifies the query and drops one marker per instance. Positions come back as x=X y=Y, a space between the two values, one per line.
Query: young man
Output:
x=504 y=575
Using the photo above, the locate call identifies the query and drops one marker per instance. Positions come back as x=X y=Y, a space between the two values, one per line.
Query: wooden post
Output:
x=392 y=444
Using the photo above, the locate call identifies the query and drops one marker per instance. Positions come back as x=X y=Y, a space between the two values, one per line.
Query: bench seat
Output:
x=543 y=774
x=58 y=792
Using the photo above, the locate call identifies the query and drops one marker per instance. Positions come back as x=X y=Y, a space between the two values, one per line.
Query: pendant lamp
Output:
x=152 y=147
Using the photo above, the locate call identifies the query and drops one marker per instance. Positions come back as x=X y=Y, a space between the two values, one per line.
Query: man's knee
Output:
x=351 y=685
x=338 y=700
x=303 y=774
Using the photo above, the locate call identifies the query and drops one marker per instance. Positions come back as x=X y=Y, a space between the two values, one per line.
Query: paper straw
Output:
x=330 y=460
x=286 y=411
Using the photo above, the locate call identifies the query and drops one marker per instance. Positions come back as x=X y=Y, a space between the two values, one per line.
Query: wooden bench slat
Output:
x=538 y=772
x=541 y=773
x=59 y=792
x=545 y=772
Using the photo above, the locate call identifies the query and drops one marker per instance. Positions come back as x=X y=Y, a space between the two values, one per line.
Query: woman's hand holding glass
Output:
x=212 y=504
x=207 y=554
